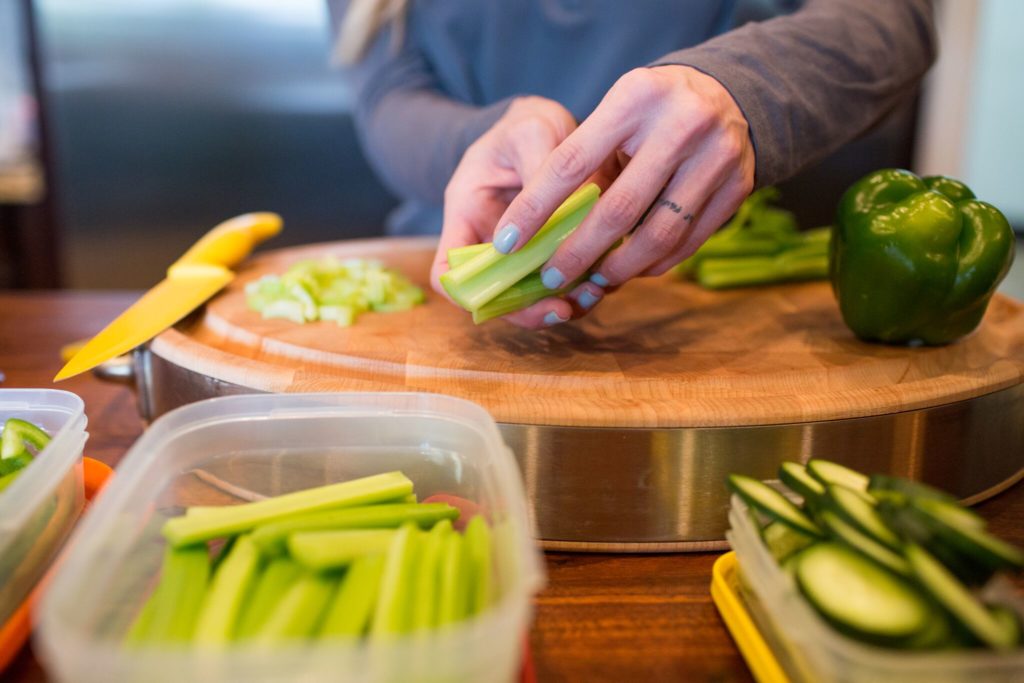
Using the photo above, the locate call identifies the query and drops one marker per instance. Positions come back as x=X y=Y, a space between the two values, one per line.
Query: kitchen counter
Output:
x=602 y=617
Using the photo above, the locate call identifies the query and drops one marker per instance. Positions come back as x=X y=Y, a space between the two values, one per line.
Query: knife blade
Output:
x=199 y=274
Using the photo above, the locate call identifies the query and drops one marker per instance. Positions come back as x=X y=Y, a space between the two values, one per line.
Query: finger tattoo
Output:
x=675 y=208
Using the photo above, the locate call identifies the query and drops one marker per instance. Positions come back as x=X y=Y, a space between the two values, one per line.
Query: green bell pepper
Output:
x=916 y=260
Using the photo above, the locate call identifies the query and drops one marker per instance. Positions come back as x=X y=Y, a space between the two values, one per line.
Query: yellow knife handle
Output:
x=229 y=243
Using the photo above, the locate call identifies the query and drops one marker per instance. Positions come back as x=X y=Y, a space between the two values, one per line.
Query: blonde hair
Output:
x=361 y=24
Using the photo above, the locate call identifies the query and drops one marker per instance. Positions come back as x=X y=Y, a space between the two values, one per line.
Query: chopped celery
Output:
x=179 y=596
x=478 y=552
x=349 y=614
x=453 y=600
x=489 y=273
x=236 y=519
x=332 y=290
x=271 y=538
x=270 y=586
x=393 y=611
x=230 y=585
x=139 y=630
x=425 y=591
x=323 y=550
x=298 y=613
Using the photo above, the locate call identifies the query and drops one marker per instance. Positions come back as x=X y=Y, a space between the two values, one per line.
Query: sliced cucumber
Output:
x=958 y=600
x=937 y=635
x=950 y=526
x=860 y=597
x=18 y=434
x=864 y=544
x=795 y=476
x=828 y=472
x=782 y=541
x=1008 y=619
x=852 y=507
x=772 y=503
x=907 y=487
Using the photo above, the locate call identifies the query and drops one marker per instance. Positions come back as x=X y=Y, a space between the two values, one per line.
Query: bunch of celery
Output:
x=329 y=289
x=761 y=244
x=490 y=284
x=359 y=558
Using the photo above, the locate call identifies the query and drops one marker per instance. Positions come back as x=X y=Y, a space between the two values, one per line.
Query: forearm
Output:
x=811 y=81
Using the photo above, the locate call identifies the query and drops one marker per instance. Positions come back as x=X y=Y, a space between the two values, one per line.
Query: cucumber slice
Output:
x=907 y=487
x=18 y=434
x=828 y=472
x=860 y=597
x=1009 y=620
x=795 y=476
x=950 y=526
x=851 y=506
x=769 y=501
x=864 y=544
x=782 y=541
x=937 y=635
x=958 y=600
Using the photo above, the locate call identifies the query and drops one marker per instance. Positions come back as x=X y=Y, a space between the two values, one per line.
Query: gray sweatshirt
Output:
x=807 y=82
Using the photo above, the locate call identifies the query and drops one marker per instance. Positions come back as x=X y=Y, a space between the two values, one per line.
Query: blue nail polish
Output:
x=507 y=238
x=599 y=280
x=552 y=318
x=552 y=278
x=586 y=300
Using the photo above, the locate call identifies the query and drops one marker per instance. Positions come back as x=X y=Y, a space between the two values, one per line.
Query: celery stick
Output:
x=411 y=498
x=230 y=586
x=139 y=630
x=527 y=291
x=271 y=538
x=323 y=550
x=459 y=255
x=425 y=590
x=349 y=614
x=393 y=610
x=804 y=263
x=478 y=551
x=297 y=614
x=235 y=519
x=180 y=594
x=488 y=274
x=454 y=593
x=268 y=589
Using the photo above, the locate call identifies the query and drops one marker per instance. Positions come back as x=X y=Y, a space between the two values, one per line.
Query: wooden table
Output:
x=602 y=617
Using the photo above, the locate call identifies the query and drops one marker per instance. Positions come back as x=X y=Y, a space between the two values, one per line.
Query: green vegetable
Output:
x=230 y=586
x=18 y=434
x=852 y=507
x=393 y=613
x=271 y=538
x=453 y=602
x=772 y=503
x=828 y=472
x=426 y=591
x=916 y=260
x=179 y=596
x=332 y=290
x=349 y=614
x=322 y=550
x=524 y=293
x=782 y=541
x=478 y=553
x=864 y=543
x=268 y=589
x=297 y=614
x=795 y=476
x=236 y=519
x=485 y=276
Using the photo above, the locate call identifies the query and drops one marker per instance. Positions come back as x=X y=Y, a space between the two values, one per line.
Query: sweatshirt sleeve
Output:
x=413 y=134
x=813 y=80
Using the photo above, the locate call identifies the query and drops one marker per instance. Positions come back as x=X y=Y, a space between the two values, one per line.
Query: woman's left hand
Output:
x=690 y=159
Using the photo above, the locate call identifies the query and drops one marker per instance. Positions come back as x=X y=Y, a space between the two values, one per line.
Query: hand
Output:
x=492 y=172
x=689 y=158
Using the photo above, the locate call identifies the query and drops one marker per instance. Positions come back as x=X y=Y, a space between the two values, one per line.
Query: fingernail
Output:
x=599 y=280
x=507 y=238
x=553 y=318
x=552 y=278
x=586 y=300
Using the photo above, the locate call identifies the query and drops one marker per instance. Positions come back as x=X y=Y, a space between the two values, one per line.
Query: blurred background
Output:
x=130 y=127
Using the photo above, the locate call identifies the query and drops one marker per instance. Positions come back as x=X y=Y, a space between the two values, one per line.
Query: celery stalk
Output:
x=527 y=291
x=393 y=610
x=454 y=593
x=270 y=586
x=323 y=550
x=180 y=594
x=298 y=613
x=478 y=551
x=427 y=581
x=805 y=263
x=489 y=273
x=271 y=538
x=349 y=614
x=459 y=255
x=139 y=630
x=230 y=586
x=235 y=519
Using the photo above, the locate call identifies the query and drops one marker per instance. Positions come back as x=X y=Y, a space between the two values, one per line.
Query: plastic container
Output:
x=811 y=650
x=273 y=444
x=42 y=504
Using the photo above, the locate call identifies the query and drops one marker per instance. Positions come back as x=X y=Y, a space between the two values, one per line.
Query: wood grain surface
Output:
x=601 y=617
x=657 y=353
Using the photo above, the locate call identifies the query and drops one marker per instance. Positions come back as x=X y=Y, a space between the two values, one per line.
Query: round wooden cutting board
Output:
x=657 y=353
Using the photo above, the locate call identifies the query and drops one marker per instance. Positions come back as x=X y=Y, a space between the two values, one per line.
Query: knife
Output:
x=199 y=274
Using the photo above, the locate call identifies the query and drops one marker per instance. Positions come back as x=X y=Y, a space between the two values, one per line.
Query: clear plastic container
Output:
x=207 y=452
x=40 y=507
x=811 y=650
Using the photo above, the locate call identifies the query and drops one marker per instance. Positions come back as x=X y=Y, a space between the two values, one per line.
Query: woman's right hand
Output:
x=492 y=172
